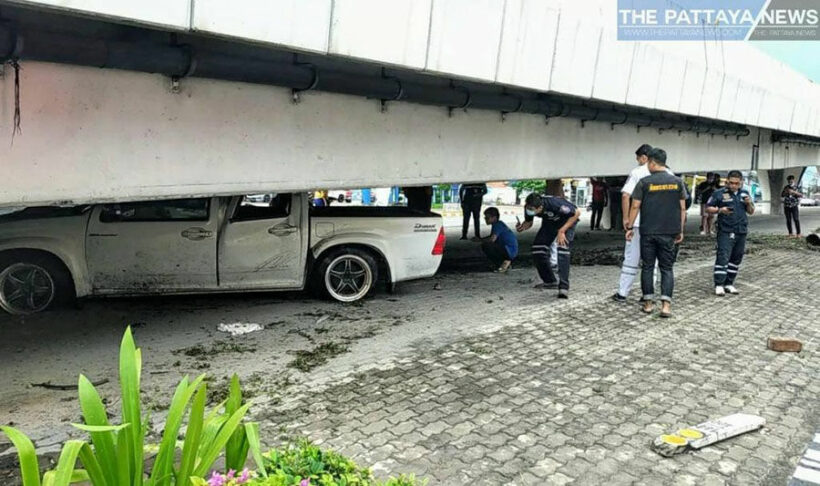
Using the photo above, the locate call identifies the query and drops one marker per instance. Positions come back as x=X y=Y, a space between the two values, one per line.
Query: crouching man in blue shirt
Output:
x=501 y=247
x=732 y=205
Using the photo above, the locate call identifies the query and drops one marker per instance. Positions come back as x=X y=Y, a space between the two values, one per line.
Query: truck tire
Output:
x=346 y=274
x=32 y=281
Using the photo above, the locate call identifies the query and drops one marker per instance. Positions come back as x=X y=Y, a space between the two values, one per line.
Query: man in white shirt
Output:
x=632 y=250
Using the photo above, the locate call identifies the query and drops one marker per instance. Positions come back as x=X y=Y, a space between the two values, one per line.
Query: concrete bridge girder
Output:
x=91 y=135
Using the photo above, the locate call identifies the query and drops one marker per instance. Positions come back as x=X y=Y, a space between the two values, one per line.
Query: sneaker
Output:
x=545 y=285
x=720 y=292
x=463 y=238
x=563 y=294
x=703 y=233
x=505 y=265
x=731 y=289
x=618 y=297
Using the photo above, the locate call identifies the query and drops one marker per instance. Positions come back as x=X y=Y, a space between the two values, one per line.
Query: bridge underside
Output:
x=174 y=116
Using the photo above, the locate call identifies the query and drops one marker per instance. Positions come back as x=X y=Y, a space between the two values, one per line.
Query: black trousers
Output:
x=471 y=208
x=615 y=219
x=597 y=213
x=495 y=252
x=792 y=214
x=541 y=254
x=660 y=248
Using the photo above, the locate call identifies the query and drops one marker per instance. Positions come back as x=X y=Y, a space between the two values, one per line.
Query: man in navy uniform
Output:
x=558 y=220
x=732 y=205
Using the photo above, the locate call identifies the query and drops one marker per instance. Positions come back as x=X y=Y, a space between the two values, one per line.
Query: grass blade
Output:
x=29 y=467
x=81 y=476
x=94 y=415
x=210 y=430
x=163 y=466
x=67 y=462
x=93 y=469
x=130 y=368
x=124 y=456
x=255 y=446
x=209 y=456
x=100 y=428
x=192 y=435
x=233 y=449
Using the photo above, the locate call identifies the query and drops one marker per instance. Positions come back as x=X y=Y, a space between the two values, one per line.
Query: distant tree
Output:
x=533 y=185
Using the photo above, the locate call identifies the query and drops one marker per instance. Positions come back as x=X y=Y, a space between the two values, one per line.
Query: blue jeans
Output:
x=660 y=248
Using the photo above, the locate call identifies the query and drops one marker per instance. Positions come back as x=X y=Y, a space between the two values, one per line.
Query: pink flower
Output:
x=216 y=479
x=305 y=482
x=231 y=474
x=244 y=477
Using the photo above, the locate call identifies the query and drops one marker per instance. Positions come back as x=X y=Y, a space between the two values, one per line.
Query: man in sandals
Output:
x=661 y=201
x=501 y=247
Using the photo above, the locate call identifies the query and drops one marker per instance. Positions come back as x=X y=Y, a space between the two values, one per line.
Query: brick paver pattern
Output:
x=575 y=391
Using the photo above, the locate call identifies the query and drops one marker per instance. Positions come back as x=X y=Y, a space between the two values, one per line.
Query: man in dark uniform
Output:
x=419 y=198
x=558 y=220
x=471 y=196
x=660 y=198
x=732 y=205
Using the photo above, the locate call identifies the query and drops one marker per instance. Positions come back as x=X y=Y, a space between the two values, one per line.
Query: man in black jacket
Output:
x=471 y=196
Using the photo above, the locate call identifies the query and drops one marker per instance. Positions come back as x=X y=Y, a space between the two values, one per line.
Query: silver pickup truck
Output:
x=51 y=255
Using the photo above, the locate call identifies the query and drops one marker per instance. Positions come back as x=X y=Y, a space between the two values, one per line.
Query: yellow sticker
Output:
x=691 y=434
x=674 y=440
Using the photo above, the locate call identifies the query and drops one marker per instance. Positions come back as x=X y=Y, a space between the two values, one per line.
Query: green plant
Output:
x=116 y=455
x=304 y=464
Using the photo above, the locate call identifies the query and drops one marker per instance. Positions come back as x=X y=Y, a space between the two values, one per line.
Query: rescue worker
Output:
x=732 y=204
x=471 y=196
x=558 y=220
x=660 y=199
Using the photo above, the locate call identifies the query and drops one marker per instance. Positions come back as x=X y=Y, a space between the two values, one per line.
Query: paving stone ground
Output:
x=574 y=391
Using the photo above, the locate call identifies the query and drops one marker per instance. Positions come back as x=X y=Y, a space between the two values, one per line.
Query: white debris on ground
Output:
x=239 y=328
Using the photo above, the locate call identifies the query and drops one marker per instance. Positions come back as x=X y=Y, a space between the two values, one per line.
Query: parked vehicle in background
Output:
x=806 y=201
x=259 y=198
x=51 y=255
x=341 y=196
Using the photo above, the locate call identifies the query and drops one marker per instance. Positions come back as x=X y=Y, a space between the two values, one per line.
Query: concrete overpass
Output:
x=164 y=98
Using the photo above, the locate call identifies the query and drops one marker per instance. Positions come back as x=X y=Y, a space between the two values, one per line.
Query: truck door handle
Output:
x=196 y=234
x=282 y=230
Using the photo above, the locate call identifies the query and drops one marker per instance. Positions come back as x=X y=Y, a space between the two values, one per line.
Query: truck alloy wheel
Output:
x=349 y=277
x=26 y=288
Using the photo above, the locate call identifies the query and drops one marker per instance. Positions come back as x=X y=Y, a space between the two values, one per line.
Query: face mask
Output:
x=529 y=212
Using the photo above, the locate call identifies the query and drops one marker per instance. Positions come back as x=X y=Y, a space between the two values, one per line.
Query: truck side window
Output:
x=266 y=206
x=171 y=210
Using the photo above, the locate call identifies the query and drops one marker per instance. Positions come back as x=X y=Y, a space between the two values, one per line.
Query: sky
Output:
x=802 y=56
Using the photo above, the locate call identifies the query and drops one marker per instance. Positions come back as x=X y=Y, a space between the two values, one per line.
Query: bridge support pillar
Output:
x=772 y=182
